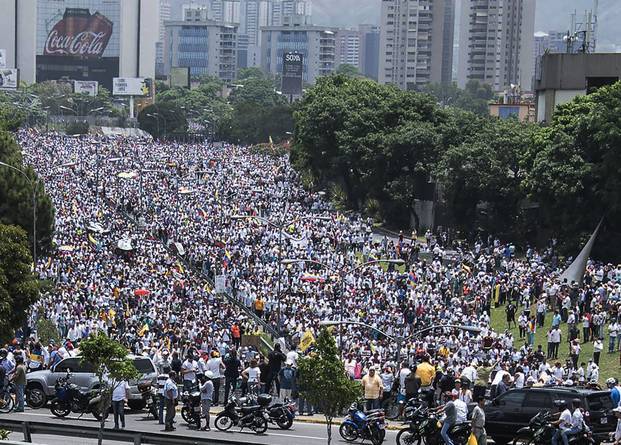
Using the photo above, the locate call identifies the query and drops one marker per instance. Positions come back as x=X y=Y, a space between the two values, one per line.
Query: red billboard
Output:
x=79 y=33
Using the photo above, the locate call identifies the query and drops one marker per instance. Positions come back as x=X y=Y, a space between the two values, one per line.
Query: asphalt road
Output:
x=301 y=433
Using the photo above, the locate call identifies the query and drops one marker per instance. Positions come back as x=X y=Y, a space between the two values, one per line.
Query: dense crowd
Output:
x=143 y=229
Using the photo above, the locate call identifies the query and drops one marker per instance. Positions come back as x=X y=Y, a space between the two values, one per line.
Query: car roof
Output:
x=583 y=391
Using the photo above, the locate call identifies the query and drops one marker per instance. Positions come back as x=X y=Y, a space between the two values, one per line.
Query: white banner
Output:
x=130 y=86
x=9 y=79
x=88 y=87
x=2 y=58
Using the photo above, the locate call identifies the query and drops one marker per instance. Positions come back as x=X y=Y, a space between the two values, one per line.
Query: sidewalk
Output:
x=320 y=419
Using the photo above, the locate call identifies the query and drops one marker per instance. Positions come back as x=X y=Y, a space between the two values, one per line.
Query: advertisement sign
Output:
x=131 y=86
x=180 y=76
x=2 y=58
x=292 y=73
x=9 y=78
x=78 y=39
x=88 y=87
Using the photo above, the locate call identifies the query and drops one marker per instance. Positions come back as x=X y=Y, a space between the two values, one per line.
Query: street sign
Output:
x=292 y=73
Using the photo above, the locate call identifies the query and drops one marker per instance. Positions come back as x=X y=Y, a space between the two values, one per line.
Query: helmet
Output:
x=209 y=375
x=611 y=382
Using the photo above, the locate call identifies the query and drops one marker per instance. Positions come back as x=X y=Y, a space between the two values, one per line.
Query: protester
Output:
x=120 y=396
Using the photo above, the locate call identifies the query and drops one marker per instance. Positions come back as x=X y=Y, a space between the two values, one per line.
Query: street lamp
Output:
x=281 y=227
x=341 y=273
x=34 y=209
x=400 y=339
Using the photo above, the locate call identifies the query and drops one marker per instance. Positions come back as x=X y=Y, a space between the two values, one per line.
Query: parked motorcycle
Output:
x=424 y=426
x=191 y=410
x=367 y=426
x=236 y=413
x=68 y=398
x=540 y=432
x=149 y=396
x=281 y=414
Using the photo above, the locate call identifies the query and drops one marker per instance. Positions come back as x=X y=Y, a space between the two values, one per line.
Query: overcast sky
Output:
x=551 y=15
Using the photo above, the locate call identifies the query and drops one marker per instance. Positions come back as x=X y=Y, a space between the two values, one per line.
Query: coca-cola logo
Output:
x=79 y=33
x=86 y=43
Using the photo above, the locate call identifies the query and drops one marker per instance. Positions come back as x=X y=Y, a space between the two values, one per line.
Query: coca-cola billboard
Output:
x=78 y=40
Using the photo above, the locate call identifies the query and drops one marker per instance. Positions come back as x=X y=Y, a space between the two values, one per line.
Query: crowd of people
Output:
x=144 y=229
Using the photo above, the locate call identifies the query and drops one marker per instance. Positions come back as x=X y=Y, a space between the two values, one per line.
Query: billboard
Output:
x=88 y=87
x=78 y=40
x=9 y=78
x=131 y=86
x=180 y=76
x=292 y=72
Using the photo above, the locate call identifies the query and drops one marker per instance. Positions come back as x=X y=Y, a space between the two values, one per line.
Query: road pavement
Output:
x=302 y=433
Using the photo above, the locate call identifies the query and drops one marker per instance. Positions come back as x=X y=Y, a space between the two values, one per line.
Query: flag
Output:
x=308 y=339
x=411 y=279
x=202 y=213
x=466 y=268
x=271 y=141
x=143 y=330
x=92 y=240
x=180 y=267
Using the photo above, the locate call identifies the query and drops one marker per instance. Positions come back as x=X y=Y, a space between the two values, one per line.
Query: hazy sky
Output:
x=551 y=15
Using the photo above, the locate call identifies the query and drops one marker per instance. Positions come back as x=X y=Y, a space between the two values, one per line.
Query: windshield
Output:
x=144 y=366
x=600 y=401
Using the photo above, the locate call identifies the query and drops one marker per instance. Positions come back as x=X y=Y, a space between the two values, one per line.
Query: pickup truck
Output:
x=40 y=384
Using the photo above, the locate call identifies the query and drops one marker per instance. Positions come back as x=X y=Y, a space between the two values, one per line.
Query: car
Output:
x=510 y=411
x=40 y=384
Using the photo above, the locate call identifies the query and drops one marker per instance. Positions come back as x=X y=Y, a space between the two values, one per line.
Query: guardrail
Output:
x=29 y=428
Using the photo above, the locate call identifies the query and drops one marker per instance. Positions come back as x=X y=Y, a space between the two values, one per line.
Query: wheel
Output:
x=524 y=440
x=186 y=415
x=377 y=438
x=153 y=411
x=391 y=409
x=284 y=423
x=259 y=425
x=137 y=405
x=407 y=437
x=223 y=422
x=35 y=397
x=7 y=403
x=60 y=409
x=348 y=432
x=96 y=412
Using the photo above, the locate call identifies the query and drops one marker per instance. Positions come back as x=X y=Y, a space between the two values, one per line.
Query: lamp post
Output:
x=341 y=273
x=399 y=340
x=34 y=208
x=281 y=227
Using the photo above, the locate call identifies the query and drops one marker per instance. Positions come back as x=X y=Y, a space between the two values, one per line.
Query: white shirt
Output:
x=191 y=366
x=120 y=392
x=577 y=419
x=213 y=365
x=565 y=419
x=461 y=410
x=253 y=374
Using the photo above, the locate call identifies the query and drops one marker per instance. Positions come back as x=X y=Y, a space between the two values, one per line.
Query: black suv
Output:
x=509 y=412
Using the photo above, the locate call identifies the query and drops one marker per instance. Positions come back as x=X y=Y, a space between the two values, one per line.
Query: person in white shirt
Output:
x=577 y=422
x=461 y=409
x=216 y=366
x=563 y=423
x=120 y=395
x=207 y=390
x=188 y=370
x=617 y=412
x=253 y=375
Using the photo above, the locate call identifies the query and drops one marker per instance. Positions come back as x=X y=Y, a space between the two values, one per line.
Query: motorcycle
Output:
x=191 y=410
x=367 y=426
x=149 y=396
x=68 y=398
x=281 y=414
x=236 y=413
x=540 y=432
x=424 y=426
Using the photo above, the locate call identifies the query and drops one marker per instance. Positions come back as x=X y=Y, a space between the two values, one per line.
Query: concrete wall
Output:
x=24 y=12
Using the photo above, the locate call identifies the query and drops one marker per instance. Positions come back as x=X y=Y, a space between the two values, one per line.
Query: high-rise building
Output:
x=416 y=42
x=283 y=8
x=551 y=42
x=205 y=47
x=194 y=13
x=348 y=46
x=316 y=43
x=254 y=15
x=496 y=43
x=369 y=50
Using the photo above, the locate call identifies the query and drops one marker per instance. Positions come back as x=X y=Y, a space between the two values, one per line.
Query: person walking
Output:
x=373 y=389
x=478 y=422
x=161 y=381
x=120 y=395
x=171 y=393
x=19 y=379
x=287 y=380
x=207 y=388
x=216 y=366
x=231 y=373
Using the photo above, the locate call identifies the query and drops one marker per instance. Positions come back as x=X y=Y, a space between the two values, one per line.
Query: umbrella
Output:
x=127 y=175
x=312 y=279
x=66 y=248
x=142 y=292
x=124 y=244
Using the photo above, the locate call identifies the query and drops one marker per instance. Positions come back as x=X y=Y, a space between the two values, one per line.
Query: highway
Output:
x=302 y=433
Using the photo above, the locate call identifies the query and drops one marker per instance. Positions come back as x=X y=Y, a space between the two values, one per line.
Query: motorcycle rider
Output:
x=478 y=422
x=564 y=423
x=450 y=412
x=207 y=389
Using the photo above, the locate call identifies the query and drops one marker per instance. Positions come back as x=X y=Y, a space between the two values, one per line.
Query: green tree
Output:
x=19 y=289
x=323 y=380
x=347 y=69
x=162 y=119
x=16 y=195
x=111 y=365
x=475 y=97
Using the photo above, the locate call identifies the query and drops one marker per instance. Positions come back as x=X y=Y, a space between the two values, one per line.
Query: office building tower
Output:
x=205 y=47
x=280 y=9
x=348 y=45
x=317 y=44
x=496 y=43
x=195 y=13
x=416 y=42
x=369 y=50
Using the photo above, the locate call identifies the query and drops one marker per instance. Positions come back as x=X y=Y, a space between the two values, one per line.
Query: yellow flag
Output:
x=144 y=330
x=307 y=340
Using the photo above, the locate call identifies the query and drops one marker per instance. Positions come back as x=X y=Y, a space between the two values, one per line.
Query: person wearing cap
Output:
x=287 y=380
x=206 y=387
x=478 y=422
x=373 y=389
x=563 y=423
